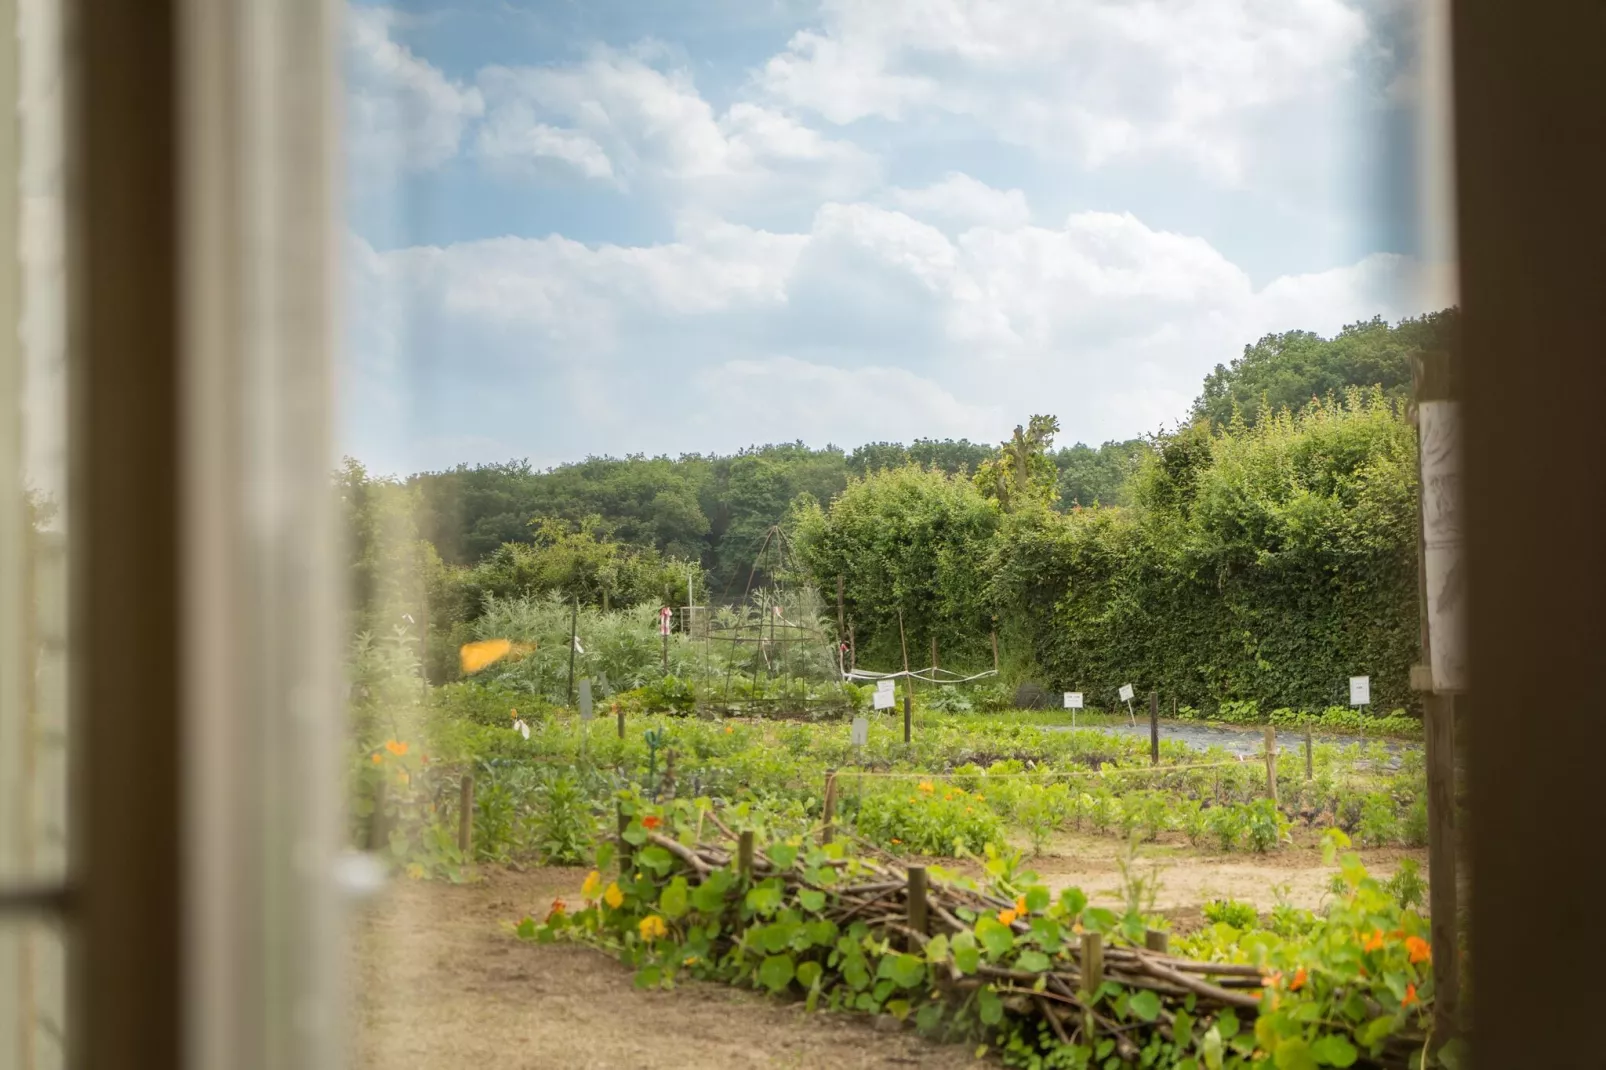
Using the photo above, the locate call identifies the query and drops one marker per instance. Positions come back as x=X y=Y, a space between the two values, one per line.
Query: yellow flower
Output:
x=475 y=656
x=689 y=960
x=980 y=797
x=396 y=748
x=377 y=759
x=729 y=730
x=1007 y=917
x=592 y=885
x=927 y=787
x=653 y=928
x=612 y=895
x=1020 y=905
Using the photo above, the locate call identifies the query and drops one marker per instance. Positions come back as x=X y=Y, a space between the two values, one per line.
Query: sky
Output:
x=586 y=227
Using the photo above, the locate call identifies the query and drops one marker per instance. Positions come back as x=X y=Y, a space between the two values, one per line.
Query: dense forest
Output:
x=1262 y=549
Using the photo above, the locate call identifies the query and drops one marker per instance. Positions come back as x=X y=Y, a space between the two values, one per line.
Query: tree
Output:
x=1021 y=473
x=1288 y=370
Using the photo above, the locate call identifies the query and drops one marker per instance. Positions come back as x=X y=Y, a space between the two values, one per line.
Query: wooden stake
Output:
x=619 y=711
x=1092 y=976
x=465 y=815
x=934 y=662
x=574 y=635
x=1309 y=761
x=1271 y=763
x=626 y=855
x=1156 y=940
x=744 y=855
x=1439 y=715
x=828 y=833
x=995 y=650
x=917 y=902
x=1154 y=728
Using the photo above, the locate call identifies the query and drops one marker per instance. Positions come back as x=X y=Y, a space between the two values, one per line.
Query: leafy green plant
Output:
x=1264 y=825
x=1231 y=912
x=564 y=826
x=1407 y=886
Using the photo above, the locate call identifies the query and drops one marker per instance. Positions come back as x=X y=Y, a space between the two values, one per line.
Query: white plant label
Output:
x=861 y=731
x=1126 y=692
x=1360 y=690
x=585 y=698
x=883 y=700
x=885 y=685
x=521 y=728
x=1073 y=700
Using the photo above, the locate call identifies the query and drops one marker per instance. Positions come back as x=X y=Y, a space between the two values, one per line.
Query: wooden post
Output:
x=1156 y=940
x=995 y=650
x=465 y=815
x=1271 y=763
x=917 y=903
x=1092 y=976
x=841 y=608
x=1310 y=765
x=378 y=834
x=666 y=655
x=619 y=712
x=744 y=855
x=908 y=681
x=828 y=833
x=1154 y=728
x=626 y=856
x=934 y=662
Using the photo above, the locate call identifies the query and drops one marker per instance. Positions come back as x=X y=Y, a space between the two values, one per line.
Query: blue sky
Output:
x=596 y=226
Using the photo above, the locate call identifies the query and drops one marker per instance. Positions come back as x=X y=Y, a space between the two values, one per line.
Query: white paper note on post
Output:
x=1073 y=700
x=1360 y=690
x=1126 y=692
x=861 y=731
x=883 y=700
x=885 y=685
x=585 y=698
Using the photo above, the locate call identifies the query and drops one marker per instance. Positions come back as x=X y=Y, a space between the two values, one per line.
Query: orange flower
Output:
x=651 y=821
x=895 y=840
x=1420 y=950
x=1410 y=996
x=926 y=786
x=558 y=908
x=729 y=730
x=377 y=759
x=397 y=748
x=1007 y=917
x=1020 y=905
x=592 y=885
x=1299 y=980
x=652 y=928
x=1374 y=942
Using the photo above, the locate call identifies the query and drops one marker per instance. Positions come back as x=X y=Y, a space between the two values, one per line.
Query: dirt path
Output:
x=443 y=983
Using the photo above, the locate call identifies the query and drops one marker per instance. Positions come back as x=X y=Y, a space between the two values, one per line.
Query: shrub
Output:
x=1239 y=915
x=927 y=819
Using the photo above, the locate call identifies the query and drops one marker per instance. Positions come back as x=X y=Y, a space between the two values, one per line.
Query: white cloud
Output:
x=1100 y=78
x=871 y=325
x=402 y=112
x=615 y=116
x=964 y=201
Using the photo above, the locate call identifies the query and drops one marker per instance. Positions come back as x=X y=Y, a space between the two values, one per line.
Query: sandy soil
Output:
x=443 y=983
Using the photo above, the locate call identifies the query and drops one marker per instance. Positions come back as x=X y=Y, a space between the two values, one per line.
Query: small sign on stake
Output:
x=884 y=699
x=861 y=731
x=1126 y=692
x=585 y=698
x=885 y=685
x=1360 y=690
x=1073 y=700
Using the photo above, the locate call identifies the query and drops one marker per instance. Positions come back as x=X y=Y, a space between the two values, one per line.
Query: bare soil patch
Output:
x=443 y=983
